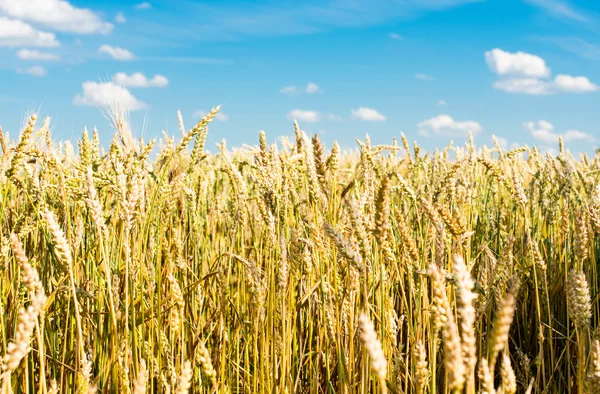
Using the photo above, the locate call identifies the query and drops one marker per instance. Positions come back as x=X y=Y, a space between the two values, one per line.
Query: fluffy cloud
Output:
x=120 y=18
x=368 y=114
x=107 y=94
x=395 y=36
x=568 y=83
x=543 y=131
x=442 y=103
x=310 y=88
x=36 y=71
x=220 y=115
x=518 y=63
x=334 y=118
x=33 y=54
x=524 y=85
x=424 y=77
x=143 y=6
x=575 y=135
x=304 y=116
x=116 y=52
x=534 y=86
x=139 y=80
x=56 y=14
x=528 y=74
x=15 y=33
x=445 y=125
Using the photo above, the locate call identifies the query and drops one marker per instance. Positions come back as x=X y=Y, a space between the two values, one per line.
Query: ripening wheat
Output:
x=145 y=266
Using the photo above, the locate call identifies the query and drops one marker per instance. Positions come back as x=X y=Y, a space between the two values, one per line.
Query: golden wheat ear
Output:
x=375 y=350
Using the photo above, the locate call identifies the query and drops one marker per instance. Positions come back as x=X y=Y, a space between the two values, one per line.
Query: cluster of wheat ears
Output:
x=285 y=269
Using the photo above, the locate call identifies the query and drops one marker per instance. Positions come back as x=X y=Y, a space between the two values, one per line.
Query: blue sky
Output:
x=523 y=70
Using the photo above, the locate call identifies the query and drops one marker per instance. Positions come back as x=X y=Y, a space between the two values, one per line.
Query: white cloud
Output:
x=442 y=103
x=568 y=83
x=424 y=77
x=532 y=86
x=334 y=118
x=220 y=115
x=289 y=90
x=15 y=33
x=107 y=94
x=561 y=83
x=139 y=80
x=368 y=114
x=120 y=18
x=143 y=6
x=57 y=14
x=528 y=74
x=304 y=116
x=574 y=135
x=445 y=125
x=518 y=63
x=116 y=52
x=543 y=131
x=312 y=88
x=36 y=71
x=33 y=54
x=395 y=36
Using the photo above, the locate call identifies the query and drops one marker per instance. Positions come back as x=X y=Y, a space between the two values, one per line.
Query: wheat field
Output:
x=288 y=268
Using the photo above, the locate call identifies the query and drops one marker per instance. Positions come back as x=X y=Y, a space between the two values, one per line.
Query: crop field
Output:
x=295 y=268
